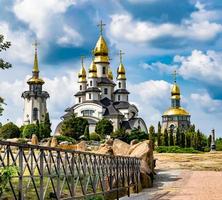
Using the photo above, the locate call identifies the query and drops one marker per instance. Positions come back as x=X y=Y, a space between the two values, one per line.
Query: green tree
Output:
x=104 y=127
x=177 y=139
x=95 y=137
x=188 y=136
x=120 y=134
x=29 y=130
x=165 y=138
x=9 y=130
x=74 y=126
x=45 y=127
x=182 y=139
x=198 y=135
x=137 y=134
x=209 y=140
x=171 y=138
x=152 y=134
x=4 y=45
x=86 y=133
x=159 y=135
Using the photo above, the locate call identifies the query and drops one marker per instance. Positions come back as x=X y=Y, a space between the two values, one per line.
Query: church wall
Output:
x=109 y=91
x=100 y=69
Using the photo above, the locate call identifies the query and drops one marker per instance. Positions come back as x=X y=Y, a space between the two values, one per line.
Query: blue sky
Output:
x=157 y=37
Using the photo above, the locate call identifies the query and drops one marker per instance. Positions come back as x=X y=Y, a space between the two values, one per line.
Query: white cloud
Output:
x=201 y=66
x=21 y=45
x=197 y=27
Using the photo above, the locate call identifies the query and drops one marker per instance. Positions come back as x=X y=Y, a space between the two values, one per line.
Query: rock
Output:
x=109 y=142
x=120 y=148
x=146 y=181
x=105 y=149
x=65 y=143
x=81 y=146
x=133 y=142
x=34 y=139
x=13 y=140
x=54 y=142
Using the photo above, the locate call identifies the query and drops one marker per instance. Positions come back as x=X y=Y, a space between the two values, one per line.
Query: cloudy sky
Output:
x=157 y=36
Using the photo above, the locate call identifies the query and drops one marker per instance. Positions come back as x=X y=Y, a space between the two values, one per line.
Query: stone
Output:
x=82 y=146
x=34 y=140
x=120 y=148
x=109 y=142
x=133 y=142
x=13 y=140
x=105 y=149
x=65 y=143
x=54 y=142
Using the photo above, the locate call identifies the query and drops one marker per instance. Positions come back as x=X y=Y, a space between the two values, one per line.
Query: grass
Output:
x=175 y=149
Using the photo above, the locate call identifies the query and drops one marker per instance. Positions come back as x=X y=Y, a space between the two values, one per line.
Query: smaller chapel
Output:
x=35 y=98
x=176 y=116
x=99 y=96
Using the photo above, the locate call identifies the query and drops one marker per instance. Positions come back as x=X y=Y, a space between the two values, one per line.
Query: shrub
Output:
x=136 y=134
x=29 y=130
x=95 y=136
x=104 y=127
x=96 y=198
x=62 y=138
x=175 y=149
x=120 y=134
x=9 y=130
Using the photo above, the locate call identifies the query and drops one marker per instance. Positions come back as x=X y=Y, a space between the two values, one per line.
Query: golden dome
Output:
x=35 y=80
x=121 y=72
x=101 y=47
x=175 y=89
x=110 y=74
x=82 y=75
x=92 y=70
x=176 y=111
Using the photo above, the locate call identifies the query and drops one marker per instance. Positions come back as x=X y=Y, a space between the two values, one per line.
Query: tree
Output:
x=198 y=135
x=182 y=139
x=159 y=134
x=137 y=134
x=29 y=130
x=171 y=138
x=177 y=140
x=209 y=141
x=9 y=130
x=165 y=138
x=120 y=134
x=188 y=136
x=86 y=133
x=4 y=45
x=74 y=126
x=104 y=127
x=152 y=134
x=45 y=127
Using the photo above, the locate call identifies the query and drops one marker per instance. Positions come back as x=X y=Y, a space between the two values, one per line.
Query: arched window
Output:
x=80 y=87
x=104 y=70
x=35 y=114
x=118 y=97
x=90 y=96
x=105 y=91
x=119 y=84
x=79 y=99
x=90 y=83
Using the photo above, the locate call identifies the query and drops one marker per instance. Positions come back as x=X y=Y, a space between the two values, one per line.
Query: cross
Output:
x=121 y=55
x=175 y=76
x=35 y=44
x=100 y=25
x=82 y=60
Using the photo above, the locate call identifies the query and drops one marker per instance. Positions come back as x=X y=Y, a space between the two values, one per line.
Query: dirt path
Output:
x=185 y=177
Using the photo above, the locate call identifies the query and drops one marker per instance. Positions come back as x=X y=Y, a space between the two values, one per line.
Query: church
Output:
x=176 y=116
x=99 y=96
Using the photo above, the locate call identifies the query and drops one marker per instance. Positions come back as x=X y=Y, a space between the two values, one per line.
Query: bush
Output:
x=62 y=138
x=29 y=130
x=9 y=130
x=136 y=134
x=120 y=134
x=96 y=198
x=104 y=127
x=95 y=136
x=175 y=149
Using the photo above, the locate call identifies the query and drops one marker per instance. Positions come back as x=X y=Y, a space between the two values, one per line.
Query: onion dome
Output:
x=35 y=71
x=82 y=75
x=110 y=74
x=121 y=73
x=92 y=70
x=176 y=111
x=175 y=92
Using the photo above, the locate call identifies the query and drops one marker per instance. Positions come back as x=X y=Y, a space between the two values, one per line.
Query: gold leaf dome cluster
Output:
x=121 y=72
x=176 y=111
x=101 y=51
x=82 y=74
x=175 y=89
x=92 y=70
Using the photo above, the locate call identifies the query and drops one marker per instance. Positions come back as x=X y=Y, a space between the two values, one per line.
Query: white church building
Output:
x=100 y=97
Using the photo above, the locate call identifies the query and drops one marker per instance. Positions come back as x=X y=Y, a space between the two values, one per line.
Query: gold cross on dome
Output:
x=100 y=25
x=175 y=76
x=82 y=60
x=121 y=55
x=35 y=44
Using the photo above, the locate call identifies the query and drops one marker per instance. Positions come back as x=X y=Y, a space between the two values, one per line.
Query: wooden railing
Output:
x=54 y=173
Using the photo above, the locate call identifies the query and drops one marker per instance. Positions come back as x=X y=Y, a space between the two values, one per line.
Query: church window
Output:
x=104 y=70
x=90 y=96
x=87 y=112
x=119 y=85
x=80 y=87
x=35 y=114
x=79 y=99
x=91 y=83
x=105 y=91
x=118 y=97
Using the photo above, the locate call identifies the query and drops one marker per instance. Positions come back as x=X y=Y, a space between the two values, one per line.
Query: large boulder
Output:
x=82 y=146
x=54 y=142
x=120 y=148
x=34 y=139
x=105 y=149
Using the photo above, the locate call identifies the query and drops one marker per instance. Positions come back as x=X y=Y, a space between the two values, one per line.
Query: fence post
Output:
x=117 y=179
x=128 y=175
x=58 y=175
x=73 y=176
x=41 y=190
x=20 y=186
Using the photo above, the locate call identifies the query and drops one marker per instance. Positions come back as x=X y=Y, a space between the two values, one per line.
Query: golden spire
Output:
x=101 y=50
x=121 y=73
x=82 y=72
x=36 y=65
x=175 y=91
x=92 y=70
x=110 y=73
